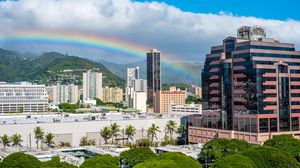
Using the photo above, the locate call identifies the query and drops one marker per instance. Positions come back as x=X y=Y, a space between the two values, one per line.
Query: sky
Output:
x=184 y=30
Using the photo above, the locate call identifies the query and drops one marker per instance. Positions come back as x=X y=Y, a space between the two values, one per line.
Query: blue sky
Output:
x=268 y=9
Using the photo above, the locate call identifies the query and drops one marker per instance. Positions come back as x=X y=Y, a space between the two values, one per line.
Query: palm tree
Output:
x=49 y=139
x=181 y=131
x=105 y=133
x=39 y=135
x=129 y=131
x=114 y=128
x=84 y=141
x=171 y=127
x=16 y=140
x=5 y=140
x=152 y=131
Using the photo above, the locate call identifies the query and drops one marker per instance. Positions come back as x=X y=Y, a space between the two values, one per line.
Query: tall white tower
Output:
x=92 y=85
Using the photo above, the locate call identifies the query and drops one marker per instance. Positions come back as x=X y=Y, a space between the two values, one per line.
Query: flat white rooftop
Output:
x=58 y=118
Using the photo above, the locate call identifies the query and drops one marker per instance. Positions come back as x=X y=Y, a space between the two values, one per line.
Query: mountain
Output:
x=49 y=68
x=191 y=73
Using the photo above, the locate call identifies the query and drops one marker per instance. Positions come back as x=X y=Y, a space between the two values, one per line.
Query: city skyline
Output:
x=174 y=21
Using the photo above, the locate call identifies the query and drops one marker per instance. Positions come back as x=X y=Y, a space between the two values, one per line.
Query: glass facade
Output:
x=245 y=90
x=153 y=74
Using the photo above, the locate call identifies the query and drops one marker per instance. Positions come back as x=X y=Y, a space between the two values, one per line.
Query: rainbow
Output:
x=90 y=41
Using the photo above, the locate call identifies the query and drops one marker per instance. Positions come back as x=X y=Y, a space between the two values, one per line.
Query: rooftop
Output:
x=65 y=117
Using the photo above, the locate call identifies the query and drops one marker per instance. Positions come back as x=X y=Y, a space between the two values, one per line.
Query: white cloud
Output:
x=183 y=34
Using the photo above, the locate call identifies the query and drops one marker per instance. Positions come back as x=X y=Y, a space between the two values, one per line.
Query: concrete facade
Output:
x=92 y=85
x=22 y=97
x=72 y=132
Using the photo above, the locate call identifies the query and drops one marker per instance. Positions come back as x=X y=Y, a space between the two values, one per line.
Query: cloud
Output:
x=185 y=35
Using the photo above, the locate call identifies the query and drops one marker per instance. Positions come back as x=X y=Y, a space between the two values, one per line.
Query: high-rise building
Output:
x=139 y=85
x=112 y=94
x=164 y=99
x=197 y=91
x=153 y=74
x=135 y=90
x=92 y=85
x=23 y=97
x=139 y=101
x=63 y=93
x=251 y=89
x=132 y=74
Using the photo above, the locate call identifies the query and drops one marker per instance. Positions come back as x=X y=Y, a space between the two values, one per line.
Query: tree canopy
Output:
x=135 y=156
x=266 y=157
x=104 y=161
x=20 y=160
x=285 y=143
x=56 y=163
x=157 y=164
x=219 y=148
x=180 y=159
x=233 y=161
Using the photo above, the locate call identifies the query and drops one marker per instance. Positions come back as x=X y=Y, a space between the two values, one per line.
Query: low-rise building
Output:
x=185 y=109
x=70 y=128
x=22 y=97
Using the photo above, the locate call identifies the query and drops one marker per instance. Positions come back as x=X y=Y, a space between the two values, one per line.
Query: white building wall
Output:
x=23 y=97
x=92 y=85
x=139 y=101
x=73 y=131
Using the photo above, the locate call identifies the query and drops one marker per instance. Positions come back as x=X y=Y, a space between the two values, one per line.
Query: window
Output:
x=263 y=125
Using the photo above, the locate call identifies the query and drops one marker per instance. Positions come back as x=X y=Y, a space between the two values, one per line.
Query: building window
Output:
x=295 y=124
x=263 y=125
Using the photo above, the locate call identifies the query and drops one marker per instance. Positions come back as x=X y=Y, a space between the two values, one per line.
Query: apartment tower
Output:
x=92 y=85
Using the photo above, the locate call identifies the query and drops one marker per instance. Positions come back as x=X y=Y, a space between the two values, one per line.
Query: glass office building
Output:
x=153 y=74
x=251 y=84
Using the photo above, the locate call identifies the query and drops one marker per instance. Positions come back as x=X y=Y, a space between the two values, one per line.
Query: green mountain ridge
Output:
x=51 y=67
x=190 y=75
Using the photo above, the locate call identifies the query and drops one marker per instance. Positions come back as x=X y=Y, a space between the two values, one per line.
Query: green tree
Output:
x=64 y=144
x=39 y=135
x=5 y=140
x=285 y=143
x=266 y=157
x=105 y=133
x=68 y=107
x=99 y=102
x=135 y=156
x=105 y=161
x=20 y=160
x=49 y=140
x=171 y=127
x=220 y=147
x=157 y=164
x=193 y=99
x=56 y=163
x=130 y=132
x=114 y=128
x=233 y=161
x=152 y=132
x=84 y=141
x=16 y=140
x=181 y=130
x=180 y=159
